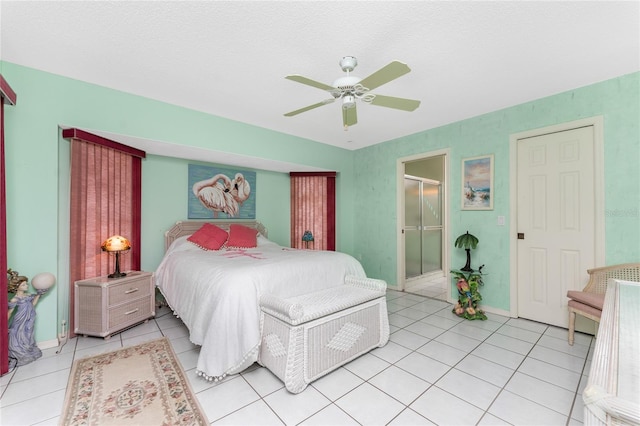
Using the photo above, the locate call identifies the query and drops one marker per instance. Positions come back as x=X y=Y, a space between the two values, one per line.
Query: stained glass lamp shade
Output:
x=307 y=237
x=116 y=244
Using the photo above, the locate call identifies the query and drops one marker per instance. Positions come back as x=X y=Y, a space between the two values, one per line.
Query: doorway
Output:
x=422 y=214
x=422 y=226
x=557 y=217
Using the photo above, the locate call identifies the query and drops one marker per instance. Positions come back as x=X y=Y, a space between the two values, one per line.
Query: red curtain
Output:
x=4 y=322
x=7 y=96
x=313 y=209
x=101 y=188
x=105 y=200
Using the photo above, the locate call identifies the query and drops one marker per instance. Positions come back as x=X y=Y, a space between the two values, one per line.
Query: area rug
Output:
x=138 y=385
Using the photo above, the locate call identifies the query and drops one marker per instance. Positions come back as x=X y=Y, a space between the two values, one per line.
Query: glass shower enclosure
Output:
x=422 y=226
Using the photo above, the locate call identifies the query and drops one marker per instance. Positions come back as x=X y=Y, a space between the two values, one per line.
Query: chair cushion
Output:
x=581 y=307
x=594 y=300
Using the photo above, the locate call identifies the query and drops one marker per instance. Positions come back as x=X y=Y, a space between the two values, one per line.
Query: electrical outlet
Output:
x=62 y=336
x=63 y=331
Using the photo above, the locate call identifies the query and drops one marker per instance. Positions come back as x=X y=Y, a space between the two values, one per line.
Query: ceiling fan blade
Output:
x=307 y=108
x=349 y=116
x=309 y=82
x=385 y=74
x=397 y=103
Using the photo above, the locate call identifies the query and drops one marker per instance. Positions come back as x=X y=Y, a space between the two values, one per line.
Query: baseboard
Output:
x=489 y=309
x=47 y=344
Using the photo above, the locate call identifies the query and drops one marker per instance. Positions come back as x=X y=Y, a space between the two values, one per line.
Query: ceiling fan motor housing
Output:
x=346 y=82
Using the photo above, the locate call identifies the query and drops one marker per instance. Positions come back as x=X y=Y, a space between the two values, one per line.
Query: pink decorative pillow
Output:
x=242 y=236
x=209 y=237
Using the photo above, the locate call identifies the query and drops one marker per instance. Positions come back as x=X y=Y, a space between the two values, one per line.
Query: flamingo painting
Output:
x=216 y=195
x=221 y=193
x=240 y=188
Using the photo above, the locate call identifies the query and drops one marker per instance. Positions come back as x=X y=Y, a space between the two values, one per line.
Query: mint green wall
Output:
x=366 y=192
x=617 y=100
x=165 y=175
x=37 y=222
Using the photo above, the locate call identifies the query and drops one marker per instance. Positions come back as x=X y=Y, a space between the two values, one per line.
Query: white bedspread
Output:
x=217 y=293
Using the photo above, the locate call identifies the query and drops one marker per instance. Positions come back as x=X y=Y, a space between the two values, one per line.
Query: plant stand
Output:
x=468 y=295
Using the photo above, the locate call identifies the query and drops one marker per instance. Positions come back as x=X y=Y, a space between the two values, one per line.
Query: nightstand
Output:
x=104 y=306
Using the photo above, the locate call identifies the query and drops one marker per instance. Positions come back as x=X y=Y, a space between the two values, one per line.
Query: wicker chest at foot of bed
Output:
x=308 y=336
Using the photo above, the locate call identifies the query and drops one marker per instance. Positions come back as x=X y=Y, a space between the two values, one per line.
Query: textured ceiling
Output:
x=230 y=58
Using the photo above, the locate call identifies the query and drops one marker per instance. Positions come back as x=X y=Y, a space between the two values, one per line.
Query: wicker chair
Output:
x=589 y=301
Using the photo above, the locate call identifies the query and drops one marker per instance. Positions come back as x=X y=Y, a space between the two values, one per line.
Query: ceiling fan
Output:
x=350 y=88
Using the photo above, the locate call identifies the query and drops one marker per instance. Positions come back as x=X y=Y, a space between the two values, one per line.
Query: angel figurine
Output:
x=22 y=344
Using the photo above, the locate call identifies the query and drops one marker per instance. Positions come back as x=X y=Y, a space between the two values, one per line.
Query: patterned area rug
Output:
x=138 y=385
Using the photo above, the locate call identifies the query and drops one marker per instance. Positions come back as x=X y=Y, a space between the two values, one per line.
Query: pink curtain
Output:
x=313 y=209
x=101 y=189
x=7 y=96
x=4 y=322
x=104 y=200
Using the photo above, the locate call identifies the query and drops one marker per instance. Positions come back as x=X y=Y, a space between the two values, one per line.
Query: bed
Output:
x=216 y=293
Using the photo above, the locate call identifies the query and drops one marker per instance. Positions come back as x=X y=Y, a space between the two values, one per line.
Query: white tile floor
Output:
x=436 y=369
x=436 y=288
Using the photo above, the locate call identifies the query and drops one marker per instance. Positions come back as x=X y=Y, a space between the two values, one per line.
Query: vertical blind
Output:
x=101 y=206
x=313 y=209
x=105 y=200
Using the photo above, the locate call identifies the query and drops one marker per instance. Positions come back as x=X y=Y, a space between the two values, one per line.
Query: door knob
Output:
x=521 y=235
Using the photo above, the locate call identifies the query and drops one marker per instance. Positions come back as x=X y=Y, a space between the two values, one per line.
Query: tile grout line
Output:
x=413 y=351
x=525 y=356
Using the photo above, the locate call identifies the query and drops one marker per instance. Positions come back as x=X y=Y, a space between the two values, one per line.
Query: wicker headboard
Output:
x=188 y=227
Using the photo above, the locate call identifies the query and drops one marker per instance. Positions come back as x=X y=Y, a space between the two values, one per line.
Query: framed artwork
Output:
x=477 y=183
x=221 y=193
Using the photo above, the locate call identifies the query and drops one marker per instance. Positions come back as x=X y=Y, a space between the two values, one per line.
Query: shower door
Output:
x=422 y=226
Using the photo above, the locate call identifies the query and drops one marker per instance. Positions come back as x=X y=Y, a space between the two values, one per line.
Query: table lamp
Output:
x=306 y=237
x=116 y=244
x=43 y=281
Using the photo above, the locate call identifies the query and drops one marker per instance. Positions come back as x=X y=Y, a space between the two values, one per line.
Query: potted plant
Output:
x=467 y=282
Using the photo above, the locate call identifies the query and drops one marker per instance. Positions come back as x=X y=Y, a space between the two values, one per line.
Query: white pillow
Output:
x=178 y=242
x=264 y=241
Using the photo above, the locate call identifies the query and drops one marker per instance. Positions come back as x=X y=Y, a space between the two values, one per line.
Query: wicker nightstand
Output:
x=104 y=306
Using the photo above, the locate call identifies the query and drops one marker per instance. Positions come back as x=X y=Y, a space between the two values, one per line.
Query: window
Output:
x=313 y=208
x=105 y=199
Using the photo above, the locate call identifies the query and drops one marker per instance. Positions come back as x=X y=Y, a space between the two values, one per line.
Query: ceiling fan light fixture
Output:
x=348 y=102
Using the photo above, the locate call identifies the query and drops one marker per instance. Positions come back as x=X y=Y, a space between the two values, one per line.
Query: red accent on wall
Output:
x=6 y=93
x=99 y=140
x=8 y=97
x=325 y=174
x=4 y=323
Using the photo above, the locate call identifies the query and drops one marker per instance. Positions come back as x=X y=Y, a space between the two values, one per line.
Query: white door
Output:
x=555 y=221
